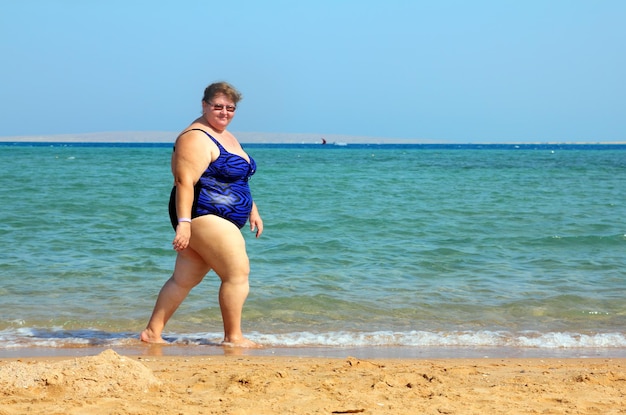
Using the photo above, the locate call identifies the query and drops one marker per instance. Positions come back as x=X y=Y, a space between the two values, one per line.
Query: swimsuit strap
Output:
x=217 y=143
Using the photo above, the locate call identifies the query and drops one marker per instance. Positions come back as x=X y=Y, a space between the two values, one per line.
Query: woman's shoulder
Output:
x=195 y=128
x=194 y=131
x=188 y=136
x=195 y=139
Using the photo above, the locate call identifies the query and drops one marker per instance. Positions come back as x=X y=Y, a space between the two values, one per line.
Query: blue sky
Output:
x=460 y=71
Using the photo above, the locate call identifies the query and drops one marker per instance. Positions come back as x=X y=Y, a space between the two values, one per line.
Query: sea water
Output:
x=381 y=247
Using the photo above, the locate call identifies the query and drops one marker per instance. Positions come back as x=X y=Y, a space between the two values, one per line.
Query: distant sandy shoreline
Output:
x=255 y=138
x=170 y=136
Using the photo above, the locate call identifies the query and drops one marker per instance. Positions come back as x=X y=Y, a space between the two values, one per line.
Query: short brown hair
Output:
x=218 y=88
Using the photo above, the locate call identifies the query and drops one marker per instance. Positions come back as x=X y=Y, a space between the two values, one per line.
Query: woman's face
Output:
x=219 y=111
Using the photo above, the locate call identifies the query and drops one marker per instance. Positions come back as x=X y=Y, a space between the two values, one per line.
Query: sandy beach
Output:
x=110 y=383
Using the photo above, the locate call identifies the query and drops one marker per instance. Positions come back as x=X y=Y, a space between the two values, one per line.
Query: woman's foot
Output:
x=148 y=336
x=243 y=343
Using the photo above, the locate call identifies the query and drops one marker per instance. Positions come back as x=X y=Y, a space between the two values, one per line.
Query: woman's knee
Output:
x=234 y=267
x=235 y=277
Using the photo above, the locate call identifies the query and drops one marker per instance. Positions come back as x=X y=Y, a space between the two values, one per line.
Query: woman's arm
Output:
x=190 y=158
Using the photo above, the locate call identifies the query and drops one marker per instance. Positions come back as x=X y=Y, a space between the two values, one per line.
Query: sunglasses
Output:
x=220 y=107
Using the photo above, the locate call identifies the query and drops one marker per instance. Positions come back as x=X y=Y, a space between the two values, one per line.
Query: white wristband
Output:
x=184 y=220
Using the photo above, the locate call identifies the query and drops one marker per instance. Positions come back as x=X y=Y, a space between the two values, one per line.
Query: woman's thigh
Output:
x=190 y=268
x=221 y=245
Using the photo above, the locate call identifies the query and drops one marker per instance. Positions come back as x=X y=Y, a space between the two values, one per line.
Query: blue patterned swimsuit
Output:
x=222 y=189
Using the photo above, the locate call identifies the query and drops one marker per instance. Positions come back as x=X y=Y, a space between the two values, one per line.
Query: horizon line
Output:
x=268 y=138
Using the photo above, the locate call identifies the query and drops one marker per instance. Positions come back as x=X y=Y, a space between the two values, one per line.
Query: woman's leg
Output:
x=222 y=246
x=189 y=270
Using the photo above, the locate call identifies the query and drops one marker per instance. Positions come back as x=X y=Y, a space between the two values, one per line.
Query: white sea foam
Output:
x=25 y=337
x=447 y=339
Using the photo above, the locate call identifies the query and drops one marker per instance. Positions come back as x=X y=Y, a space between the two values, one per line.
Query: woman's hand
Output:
x=183 y=234
x=256 y=223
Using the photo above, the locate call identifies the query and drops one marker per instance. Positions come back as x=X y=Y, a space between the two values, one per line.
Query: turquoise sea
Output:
x=383 y=250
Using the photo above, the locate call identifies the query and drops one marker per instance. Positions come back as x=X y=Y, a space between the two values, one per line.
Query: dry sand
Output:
x=112 y=384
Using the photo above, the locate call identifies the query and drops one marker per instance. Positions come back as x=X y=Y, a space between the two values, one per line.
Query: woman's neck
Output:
x=205 y=123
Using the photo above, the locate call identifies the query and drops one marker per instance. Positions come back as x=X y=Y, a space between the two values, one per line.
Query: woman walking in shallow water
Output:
x=209 y=204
